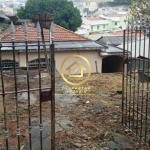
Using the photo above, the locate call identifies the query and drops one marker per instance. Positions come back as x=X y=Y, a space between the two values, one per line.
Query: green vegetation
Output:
x=3 y=26
x=119 y=2
x=139 y=13
x=66 y=15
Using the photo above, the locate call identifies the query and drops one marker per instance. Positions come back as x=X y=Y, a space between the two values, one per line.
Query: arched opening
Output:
x=36 y=62
x=9 y=64
x=112 y=64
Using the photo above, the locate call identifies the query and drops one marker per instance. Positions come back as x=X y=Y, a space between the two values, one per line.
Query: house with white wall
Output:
x=102 y=24
x=67 y=44
x=116 y=20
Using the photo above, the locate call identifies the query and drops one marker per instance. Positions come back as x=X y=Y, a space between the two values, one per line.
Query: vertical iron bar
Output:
x=4 y=103
x=28 y=89
x=130 y=97
x=43 y=40
x=141 y=123
x=147 y=92
x=39 y=63
x=123 y=75
x=138 y=95
x=134 y=85
x=126 y=114
x=16 y=89
x=53 y=97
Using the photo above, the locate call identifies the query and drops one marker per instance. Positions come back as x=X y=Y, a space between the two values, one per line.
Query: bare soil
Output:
x=98 y=112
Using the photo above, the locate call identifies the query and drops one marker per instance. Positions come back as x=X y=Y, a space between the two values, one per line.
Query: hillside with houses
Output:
x=100 y=19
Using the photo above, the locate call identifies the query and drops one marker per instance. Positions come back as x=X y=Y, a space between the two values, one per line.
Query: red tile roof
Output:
x=120 y=33
x=60 y=34
x=116 y=15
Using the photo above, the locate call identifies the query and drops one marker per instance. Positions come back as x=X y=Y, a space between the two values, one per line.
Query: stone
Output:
x=83 y=110
x=126 y=130
x=117 y=106
x=114 y=146
x=98 y=107
x=122 y=140
x=65 y=100
x=65 y=123
x=83 y=135
x=117 y=140
x=24 y=97
x=78 y=145
x=87 y=124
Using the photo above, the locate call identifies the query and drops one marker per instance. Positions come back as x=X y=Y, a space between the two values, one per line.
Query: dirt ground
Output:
x=97 y=113
x=22 y=109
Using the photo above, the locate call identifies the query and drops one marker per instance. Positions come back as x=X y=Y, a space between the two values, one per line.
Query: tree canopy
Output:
x=139 y=13
x=66 y=15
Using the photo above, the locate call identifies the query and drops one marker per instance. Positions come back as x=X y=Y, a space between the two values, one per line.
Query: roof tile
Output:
x=60 y=34
x=116 y=15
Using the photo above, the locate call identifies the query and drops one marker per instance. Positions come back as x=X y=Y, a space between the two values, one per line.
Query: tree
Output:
x=139 y=14
x=66 y=15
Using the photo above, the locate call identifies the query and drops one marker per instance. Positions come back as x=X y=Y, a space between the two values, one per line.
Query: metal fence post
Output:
x=53 y=97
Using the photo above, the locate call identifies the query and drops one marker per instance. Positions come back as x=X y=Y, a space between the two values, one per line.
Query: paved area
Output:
x=63 y=100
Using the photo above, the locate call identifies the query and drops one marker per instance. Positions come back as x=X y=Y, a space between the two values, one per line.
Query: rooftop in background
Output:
x=120 y=33
x=60 y=34
x=94 y=19
x=117 y=39
x=138 y=48
x=113 y=40
x=116 y=15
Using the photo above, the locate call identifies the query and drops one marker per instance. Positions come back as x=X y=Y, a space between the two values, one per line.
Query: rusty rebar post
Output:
x=45 y=21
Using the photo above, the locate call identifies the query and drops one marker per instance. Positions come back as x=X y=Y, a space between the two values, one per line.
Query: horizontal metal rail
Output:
x=21 y=91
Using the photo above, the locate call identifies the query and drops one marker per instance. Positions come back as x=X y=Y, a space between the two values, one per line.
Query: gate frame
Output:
x=131 y=117
x=48 y=95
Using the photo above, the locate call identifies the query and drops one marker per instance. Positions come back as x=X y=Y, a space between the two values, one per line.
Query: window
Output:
x=104 y=26
x=36 y=62
x=92 y=27
x=98 y=27
x=9 y=63
x=115 y=23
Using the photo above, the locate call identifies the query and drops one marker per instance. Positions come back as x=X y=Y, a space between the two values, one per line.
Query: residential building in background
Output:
x=102 y=24
x=88 y=7
x=8 y=10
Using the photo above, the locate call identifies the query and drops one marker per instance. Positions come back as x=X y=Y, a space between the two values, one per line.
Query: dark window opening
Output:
x=36 y=62
x=112 y=64
x=9 y=64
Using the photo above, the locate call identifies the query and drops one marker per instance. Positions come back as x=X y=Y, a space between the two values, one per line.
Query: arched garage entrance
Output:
x=112 y=64
x=35 y=63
